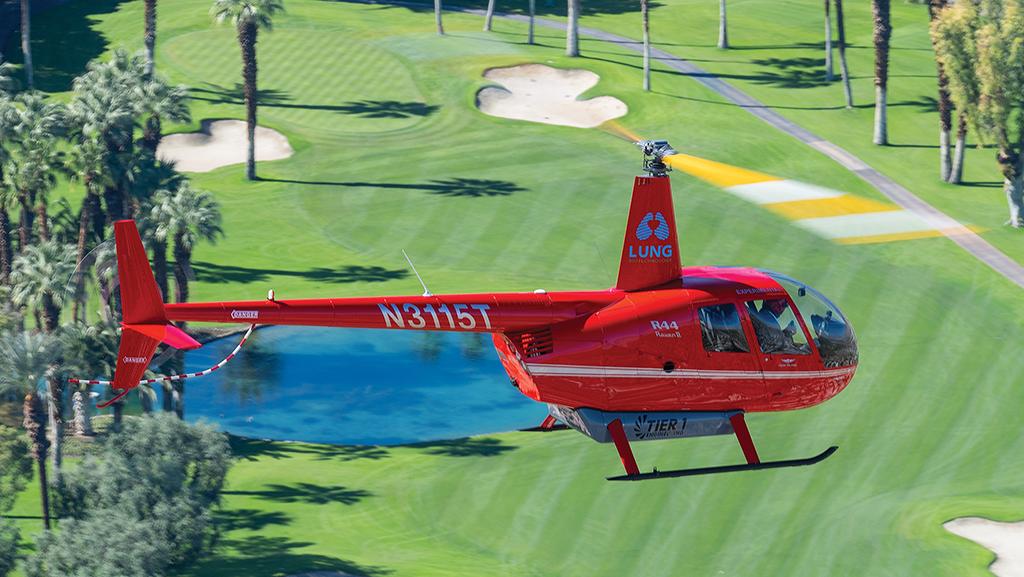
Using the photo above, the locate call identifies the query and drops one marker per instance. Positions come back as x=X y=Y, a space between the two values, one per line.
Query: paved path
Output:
x=962 y=236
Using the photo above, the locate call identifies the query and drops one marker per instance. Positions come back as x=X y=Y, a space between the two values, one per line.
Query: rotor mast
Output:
x=655 y=152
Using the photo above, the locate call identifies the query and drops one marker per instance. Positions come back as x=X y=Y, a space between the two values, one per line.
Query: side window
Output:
x=720 y=329
x=778 y=332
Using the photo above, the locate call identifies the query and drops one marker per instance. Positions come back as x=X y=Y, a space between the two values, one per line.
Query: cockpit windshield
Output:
x=830 y=330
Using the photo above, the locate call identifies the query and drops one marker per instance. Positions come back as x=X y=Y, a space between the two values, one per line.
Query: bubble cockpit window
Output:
x=830 y=330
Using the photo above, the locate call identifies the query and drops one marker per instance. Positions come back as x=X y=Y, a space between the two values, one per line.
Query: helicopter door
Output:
x=725 y=362
x=785 y=353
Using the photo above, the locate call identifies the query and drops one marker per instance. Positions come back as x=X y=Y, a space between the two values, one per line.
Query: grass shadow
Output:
x=466 y=447
x=254 y=449
x=388 y=109
x=218 y=273
x=309 y=493
x=274 y=98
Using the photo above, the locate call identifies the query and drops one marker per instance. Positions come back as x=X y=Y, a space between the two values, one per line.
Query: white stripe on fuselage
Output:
x=655 y=373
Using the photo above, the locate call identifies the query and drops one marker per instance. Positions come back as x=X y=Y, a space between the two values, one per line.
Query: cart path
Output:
x=966 y=239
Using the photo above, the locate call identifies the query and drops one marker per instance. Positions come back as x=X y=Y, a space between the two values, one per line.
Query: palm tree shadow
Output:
x=249 y=519
x=307 y=493
x=466 y=447
x=388 y=109
x=259 y=554
x=220 y=273
x=455 y=187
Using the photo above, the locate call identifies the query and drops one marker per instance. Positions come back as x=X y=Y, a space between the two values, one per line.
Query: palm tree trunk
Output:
x=533 y=11
x=150 y=35
x=118 y=416
x=883 y=32
x=1012 y=165
x=152 y=133
x=572 y=29
x=55 y=392
x=43 y=219
x=35 y=427
x=956 y=172
x=25 y=221
x=181 y=263
x=160 y=266
x=247 y=40
x=489 y=17
x=26 y=42
x=85 y=218
x=723 y=26
x=51 y=313
x=843 y=68
x=437 y=17
x=828 y=41
x=6 y=254
x=646 y=21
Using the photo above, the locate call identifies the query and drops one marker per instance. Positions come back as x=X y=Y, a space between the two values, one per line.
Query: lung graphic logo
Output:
x=653 y=223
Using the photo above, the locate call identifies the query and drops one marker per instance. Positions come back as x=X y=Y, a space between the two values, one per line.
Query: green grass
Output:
x=927 y=430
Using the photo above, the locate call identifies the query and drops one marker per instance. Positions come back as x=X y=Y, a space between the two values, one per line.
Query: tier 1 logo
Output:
x=653 y=223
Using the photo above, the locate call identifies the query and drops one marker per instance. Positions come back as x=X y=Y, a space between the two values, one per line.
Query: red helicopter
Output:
x=668 y=352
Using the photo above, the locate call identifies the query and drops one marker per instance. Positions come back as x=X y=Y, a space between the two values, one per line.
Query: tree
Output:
x=149 y=38
x=723 y=26
x=572 y=29
x=39 y=280
x=248 y=16
x=945 y=105
x=6 y=196
x=489 y=16
x=828 y=41
x=90 y=350
x=88 y=164
x=981 y=47
x=35 y=127
x=187 y=216
x=646 y=22
x=15 y=469
x=533 y=10
x=437 y=17
x=27 y=359
x=9 y=537
x=26 y=42
x=161 y=101
x=883 y=32
x=159 y=479
x=843 y=68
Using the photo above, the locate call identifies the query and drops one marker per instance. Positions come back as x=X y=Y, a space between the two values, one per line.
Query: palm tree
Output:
x=8 y=84
x=572 y=29
x=437 y=17
x=6 y=112
x=248 y=16
x=91 y=350
x=883 y=32
x=149 y=37
x=828 y=41
x=34 y=126
x=161 y=101
x=88 y=164
x=187 y=215
x=39 y=278
x=843 y=69
x=646 y=22
x=723 y=27
x=26 y=42
x=489 y=16
x=27 y=359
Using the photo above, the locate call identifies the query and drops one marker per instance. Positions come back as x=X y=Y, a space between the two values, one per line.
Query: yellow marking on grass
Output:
x=891 y=237
x=716 y=173
x=821 y=207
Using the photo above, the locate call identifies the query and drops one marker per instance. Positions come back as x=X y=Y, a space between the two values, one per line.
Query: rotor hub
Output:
x=655 y=152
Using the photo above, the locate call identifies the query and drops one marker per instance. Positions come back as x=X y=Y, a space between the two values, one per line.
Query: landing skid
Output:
x=558 y=427
x=656 y=474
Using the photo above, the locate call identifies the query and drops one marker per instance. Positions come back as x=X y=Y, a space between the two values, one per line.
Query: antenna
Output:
x=426 y=291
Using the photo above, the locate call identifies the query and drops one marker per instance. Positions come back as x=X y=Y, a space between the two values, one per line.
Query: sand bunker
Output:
x=540 y=93
x=1003 y=539
x=220 y=143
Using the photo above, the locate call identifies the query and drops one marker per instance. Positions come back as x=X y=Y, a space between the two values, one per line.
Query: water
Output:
x=348 y=386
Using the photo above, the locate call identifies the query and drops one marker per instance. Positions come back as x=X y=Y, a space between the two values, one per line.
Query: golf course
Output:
x=390 y=152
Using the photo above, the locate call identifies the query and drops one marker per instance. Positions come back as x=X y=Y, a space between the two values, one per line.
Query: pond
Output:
x=347 y=386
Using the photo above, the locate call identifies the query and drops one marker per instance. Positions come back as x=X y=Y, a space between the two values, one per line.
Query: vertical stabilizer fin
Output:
x=650 y=251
